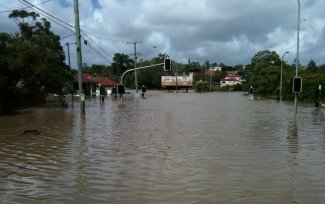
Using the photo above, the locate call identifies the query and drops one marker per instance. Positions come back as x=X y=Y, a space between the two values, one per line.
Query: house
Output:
x=231 y=79
x=215 y=69
x=104 y=83
x=93 y=84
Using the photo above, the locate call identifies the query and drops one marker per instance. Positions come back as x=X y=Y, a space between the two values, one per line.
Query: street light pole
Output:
x=297 y=58
x=280 y=97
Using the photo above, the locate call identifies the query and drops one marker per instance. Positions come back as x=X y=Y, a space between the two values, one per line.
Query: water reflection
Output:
x=293 y=142
x=166 y=148
x=27 y=159
x=293 y=148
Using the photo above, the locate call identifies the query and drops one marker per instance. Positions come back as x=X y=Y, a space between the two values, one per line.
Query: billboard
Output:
x=186 y=80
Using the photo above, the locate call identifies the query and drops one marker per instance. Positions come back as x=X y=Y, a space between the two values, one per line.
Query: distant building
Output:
x=93 y=84
x=215 y=69
x=231 y=79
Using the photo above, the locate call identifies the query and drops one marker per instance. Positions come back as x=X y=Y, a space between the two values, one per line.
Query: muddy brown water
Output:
x=165 y=148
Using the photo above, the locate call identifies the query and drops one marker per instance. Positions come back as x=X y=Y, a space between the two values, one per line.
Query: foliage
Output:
x=266 y=58
x=201 y=86
x=32 y=61
x=121 y=63
x=151 y=77
x=312 y=67
x=96 y=69
x=264 y=76
x=222 y=88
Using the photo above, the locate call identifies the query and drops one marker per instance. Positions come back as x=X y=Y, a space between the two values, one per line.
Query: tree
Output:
x=32 y=61
x=264 y=72
x=201 y=86
x=97 y=69
x=121 y=63
x=266 y=57
x=312 y=67
x=207 y=64
x=151 y=77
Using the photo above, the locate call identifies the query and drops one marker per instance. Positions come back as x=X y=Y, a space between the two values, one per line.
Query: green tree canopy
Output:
x=312 y=67
x=264 y=72
x=121 y=63
x=266 y=58
x=32 y=61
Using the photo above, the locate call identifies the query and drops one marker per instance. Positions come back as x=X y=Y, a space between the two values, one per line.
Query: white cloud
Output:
x=229 y=31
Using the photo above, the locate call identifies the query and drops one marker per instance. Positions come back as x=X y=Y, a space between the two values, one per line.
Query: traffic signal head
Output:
x=251 y=90
x=120 y=88
x=143 y=89
x=296 y=85
x=167 y=64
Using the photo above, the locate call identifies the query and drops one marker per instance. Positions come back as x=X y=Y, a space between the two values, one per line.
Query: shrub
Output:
x=201 y=86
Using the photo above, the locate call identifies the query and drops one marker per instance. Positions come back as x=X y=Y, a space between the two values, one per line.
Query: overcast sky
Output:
x=227 y=31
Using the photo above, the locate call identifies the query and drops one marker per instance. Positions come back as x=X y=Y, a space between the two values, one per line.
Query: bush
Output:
x=201 y=86
x=223 y=88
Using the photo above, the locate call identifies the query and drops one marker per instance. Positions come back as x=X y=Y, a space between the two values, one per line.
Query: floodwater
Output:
x=165 y=148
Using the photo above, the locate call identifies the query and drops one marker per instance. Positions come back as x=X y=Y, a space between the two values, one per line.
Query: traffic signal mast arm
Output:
x=129 y=70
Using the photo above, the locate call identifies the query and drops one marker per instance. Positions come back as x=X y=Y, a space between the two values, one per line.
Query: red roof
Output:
x=103 y=81
x=88 y=78
x=229 y=79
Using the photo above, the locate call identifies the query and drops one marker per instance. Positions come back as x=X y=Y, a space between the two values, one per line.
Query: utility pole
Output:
x=297 y=59
x=135 y=64
x=67 y=44
x=79 y=58
x=281 y=73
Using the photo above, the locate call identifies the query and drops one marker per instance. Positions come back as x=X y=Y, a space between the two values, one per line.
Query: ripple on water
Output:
x=174 y=148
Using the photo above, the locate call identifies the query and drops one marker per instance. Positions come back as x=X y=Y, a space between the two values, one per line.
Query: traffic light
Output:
x=251 y=90
x=296 y=85
x=167 y=64
x=120 y=89
x=143 y=88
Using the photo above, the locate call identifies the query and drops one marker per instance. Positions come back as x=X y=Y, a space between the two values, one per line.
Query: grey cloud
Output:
x=229 y=31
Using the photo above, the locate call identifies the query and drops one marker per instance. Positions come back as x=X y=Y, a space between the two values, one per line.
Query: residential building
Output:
x=231 y=79
x=92 y=85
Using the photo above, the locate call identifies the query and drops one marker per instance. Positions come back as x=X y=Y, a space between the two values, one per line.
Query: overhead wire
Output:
x=47 y=13
x=95 y=43
x=51 y=17
x=82 y=6
x=25 y=7
x=44 y=14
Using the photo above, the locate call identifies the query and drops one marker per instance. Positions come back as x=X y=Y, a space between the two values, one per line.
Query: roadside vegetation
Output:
x=31 y=63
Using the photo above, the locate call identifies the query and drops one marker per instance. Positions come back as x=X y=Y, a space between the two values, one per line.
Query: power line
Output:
x=50 y=17
x=95 y=42
x=100 y=54
x=24 y=7
x=44 y=14
x=48 y=13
